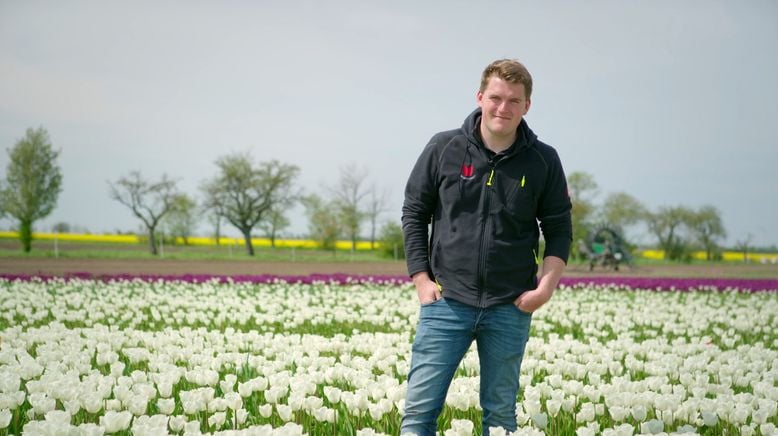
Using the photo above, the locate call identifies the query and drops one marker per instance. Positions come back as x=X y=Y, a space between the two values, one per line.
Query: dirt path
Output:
x=63 y=266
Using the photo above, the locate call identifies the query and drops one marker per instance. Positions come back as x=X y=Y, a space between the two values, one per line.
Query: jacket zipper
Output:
x=484 y=240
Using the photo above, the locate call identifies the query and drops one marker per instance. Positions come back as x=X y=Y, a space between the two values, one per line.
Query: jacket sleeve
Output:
x=555 y=211
x=421 y=198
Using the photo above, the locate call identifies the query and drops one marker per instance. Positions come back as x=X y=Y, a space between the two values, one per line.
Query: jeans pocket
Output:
x=521 y=311
x=431 y=302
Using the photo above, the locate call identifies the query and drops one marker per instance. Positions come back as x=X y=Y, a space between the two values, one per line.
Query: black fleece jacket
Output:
x=484 y=209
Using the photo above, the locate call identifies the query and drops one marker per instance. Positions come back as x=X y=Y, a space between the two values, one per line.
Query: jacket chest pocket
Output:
x=521 y=202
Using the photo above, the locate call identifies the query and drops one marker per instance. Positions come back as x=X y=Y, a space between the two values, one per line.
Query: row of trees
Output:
x=678 y=230
x=251 y=196
x=254 y=195
x=245 y=194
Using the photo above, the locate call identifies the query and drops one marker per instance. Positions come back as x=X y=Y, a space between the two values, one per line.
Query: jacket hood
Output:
x=471 y=127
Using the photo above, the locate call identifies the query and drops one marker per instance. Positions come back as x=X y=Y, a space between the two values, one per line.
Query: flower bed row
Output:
x=650 y=283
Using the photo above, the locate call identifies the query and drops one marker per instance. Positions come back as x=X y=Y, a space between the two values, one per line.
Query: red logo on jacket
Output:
x=467 y=171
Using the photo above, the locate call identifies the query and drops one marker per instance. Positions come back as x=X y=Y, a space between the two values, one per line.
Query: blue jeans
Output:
x=445 y=331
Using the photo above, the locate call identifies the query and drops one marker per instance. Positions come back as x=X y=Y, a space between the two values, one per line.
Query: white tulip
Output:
x=166 y=406
x=72 y=406
x=5 y=418
x=553 y=407
x=460 y=427
x=311 y=403
x=653 y=426
x=217 y=419
x=192 y=406
x=285 y=412
x=245 y=389
x=114 y=422
x=540 y=420
x=241 y=415
x=325 y=414
x=618 y=413
x=768 y=429
x=137 y=405
x=92 y=402
x=176 y=423
x=709 y=419
x=639 y=413
x=265 y=410
x=90 y=429
x=586 y=414
x=9 y=382
x=192 y=428
x=584 y=431
x=165 y=389
x=332 y=394
x=497 y=431
x=113 y=404
x=369 y=432
x=296 y=401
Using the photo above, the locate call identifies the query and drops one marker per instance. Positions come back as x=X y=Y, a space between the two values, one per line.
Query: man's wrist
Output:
x=421 y=276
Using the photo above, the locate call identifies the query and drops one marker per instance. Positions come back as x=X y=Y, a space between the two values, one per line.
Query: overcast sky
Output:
x=673 y=102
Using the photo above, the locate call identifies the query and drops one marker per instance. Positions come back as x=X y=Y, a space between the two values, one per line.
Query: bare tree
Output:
x=149 y=201
x=349 y=194
x=276 y=220
x=214 y=219
x=376 y=205
x=33 y=182
x=243 y=193
x=744 y=246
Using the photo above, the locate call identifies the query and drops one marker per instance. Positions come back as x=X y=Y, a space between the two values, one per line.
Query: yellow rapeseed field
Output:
x=194 y=240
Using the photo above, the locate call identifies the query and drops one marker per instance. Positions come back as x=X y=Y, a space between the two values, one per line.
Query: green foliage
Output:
x=670 y=226
x=33 y=182
x=324 y=222
x=392 y=241
x=244 y=193
x=620 y=210
x=707 y=228
x=582 y=189
x=182 y=218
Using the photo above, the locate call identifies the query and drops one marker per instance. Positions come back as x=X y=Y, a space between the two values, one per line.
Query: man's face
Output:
x=503 y=104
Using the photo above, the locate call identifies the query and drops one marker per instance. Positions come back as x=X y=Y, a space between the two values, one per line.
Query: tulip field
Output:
x=329 y=355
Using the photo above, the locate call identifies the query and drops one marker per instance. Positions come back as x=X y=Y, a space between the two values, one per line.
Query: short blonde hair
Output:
x=509 y=70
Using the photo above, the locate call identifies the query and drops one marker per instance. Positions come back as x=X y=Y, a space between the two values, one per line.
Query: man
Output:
x=484 y=187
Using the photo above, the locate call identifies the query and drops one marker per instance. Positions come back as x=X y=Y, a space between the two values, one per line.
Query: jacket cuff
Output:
x=559 y=248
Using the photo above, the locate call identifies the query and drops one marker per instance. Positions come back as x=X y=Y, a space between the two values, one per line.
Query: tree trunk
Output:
x=372 y=234
x=247 y=238
x=152 y=241
x=25 y=235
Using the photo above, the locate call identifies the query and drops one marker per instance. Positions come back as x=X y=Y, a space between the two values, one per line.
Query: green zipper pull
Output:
x=523 y=179
x=491 y=174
